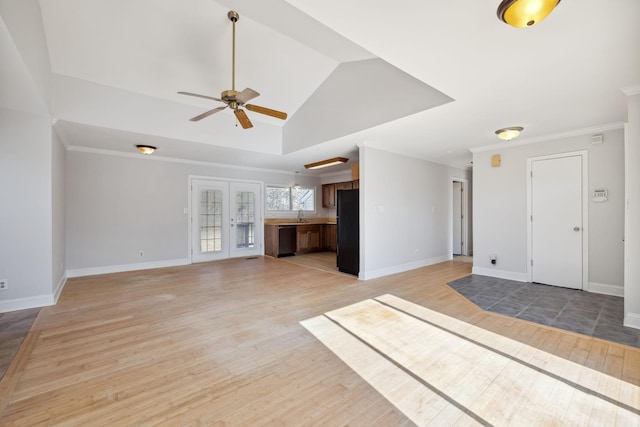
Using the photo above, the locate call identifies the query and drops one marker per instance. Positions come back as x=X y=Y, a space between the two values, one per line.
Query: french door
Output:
x=226 y=219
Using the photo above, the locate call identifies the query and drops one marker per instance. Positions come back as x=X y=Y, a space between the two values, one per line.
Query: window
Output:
x=290 y=198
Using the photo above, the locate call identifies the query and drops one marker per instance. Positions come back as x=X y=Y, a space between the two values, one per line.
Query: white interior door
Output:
x=225 y=220
x=457 y=218
x=557 y=221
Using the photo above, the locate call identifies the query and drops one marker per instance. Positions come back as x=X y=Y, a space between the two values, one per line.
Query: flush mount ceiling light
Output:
x=509 y=133
x=326 y=163
x=146 y=149
x=525 y=13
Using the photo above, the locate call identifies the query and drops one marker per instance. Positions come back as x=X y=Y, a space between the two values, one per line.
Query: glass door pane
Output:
x=210 y=220
x=245 y=219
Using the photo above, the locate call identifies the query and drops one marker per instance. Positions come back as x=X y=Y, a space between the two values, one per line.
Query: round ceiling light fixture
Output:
x=525 y=13
x=146 y=149
x=509 y=133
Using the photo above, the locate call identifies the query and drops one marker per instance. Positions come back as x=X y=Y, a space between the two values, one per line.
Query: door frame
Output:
x=190 y=213
x=584 y=154
x=465 y=213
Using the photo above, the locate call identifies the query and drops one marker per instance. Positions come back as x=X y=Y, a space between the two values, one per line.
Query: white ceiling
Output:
x=453 y=74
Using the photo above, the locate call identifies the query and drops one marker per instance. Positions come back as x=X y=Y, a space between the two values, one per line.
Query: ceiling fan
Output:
x=233 y=98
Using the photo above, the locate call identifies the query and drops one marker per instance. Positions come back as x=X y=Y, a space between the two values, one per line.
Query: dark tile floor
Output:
x=14 y=326
x=587 y=313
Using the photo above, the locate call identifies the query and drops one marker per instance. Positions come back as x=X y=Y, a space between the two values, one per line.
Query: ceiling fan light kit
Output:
x=525 y=13
x=326 y=163
x=232 y=97
x=509 y=133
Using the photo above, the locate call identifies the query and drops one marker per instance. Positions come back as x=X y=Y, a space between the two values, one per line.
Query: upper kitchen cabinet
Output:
x=329 y=192
x=344 y=186
x=328 y=195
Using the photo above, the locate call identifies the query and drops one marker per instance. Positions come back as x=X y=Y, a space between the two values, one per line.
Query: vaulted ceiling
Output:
x=427 y=79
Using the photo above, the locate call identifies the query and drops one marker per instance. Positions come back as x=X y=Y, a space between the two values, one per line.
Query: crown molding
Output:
x=155 y=157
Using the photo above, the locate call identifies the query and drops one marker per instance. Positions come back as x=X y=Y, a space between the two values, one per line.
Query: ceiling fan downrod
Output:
x=233 y=17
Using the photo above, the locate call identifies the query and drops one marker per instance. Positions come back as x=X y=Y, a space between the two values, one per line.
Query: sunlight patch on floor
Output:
x=437 y=369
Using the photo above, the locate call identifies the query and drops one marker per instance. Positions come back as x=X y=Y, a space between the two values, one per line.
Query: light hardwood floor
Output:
x=221 y=344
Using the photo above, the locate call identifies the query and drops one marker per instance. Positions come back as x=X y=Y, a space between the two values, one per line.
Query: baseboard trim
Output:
x=603 y=288
x=500 y=274
x=367 y=275
x=33 y=302
x=27 y=302
x=93 y=271
x=632 y=320
x=58 y=289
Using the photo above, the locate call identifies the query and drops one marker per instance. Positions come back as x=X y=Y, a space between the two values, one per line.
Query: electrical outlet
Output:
x=4 y=284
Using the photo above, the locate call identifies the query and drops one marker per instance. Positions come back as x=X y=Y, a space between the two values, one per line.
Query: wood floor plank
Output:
x=220 y=343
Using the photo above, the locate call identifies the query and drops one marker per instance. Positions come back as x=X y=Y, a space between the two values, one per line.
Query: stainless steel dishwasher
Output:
x=286 y=240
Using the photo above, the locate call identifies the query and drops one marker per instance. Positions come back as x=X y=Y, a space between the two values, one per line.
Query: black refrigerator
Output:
x=348 y=214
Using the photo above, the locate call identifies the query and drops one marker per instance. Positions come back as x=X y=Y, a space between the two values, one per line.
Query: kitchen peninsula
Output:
x=285 y=236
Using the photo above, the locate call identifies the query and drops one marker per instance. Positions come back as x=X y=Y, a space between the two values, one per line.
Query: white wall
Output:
x=632 y=214
x=23 y=20
x=58 y=199
x=405 y=212
x=120 y=205
x=500 y=208
x=25 y=211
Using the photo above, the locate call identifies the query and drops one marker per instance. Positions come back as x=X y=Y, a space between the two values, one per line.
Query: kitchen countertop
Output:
x=305 y=221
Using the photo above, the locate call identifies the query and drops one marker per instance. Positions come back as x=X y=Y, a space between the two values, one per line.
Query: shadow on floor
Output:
x=587 y=313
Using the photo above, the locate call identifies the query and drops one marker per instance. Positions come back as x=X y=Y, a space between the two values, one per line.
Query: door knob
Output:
x=576 y=228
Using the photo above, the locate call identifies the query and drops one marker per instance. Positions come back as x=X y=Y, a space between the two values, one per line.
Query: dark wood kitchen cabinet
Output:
x=329 y=192
x=344 y=186
x=271 y=240
x=330 y=237
x=279 y=240
x=328 y=195
x=309 y=238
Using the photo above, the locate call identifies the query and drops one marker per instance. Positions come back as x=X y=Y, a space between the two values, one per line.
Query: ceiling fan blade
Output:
x=243 y=119
x=201 y=96
x=246 y=95
x=207 y=114
x=267 y=111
